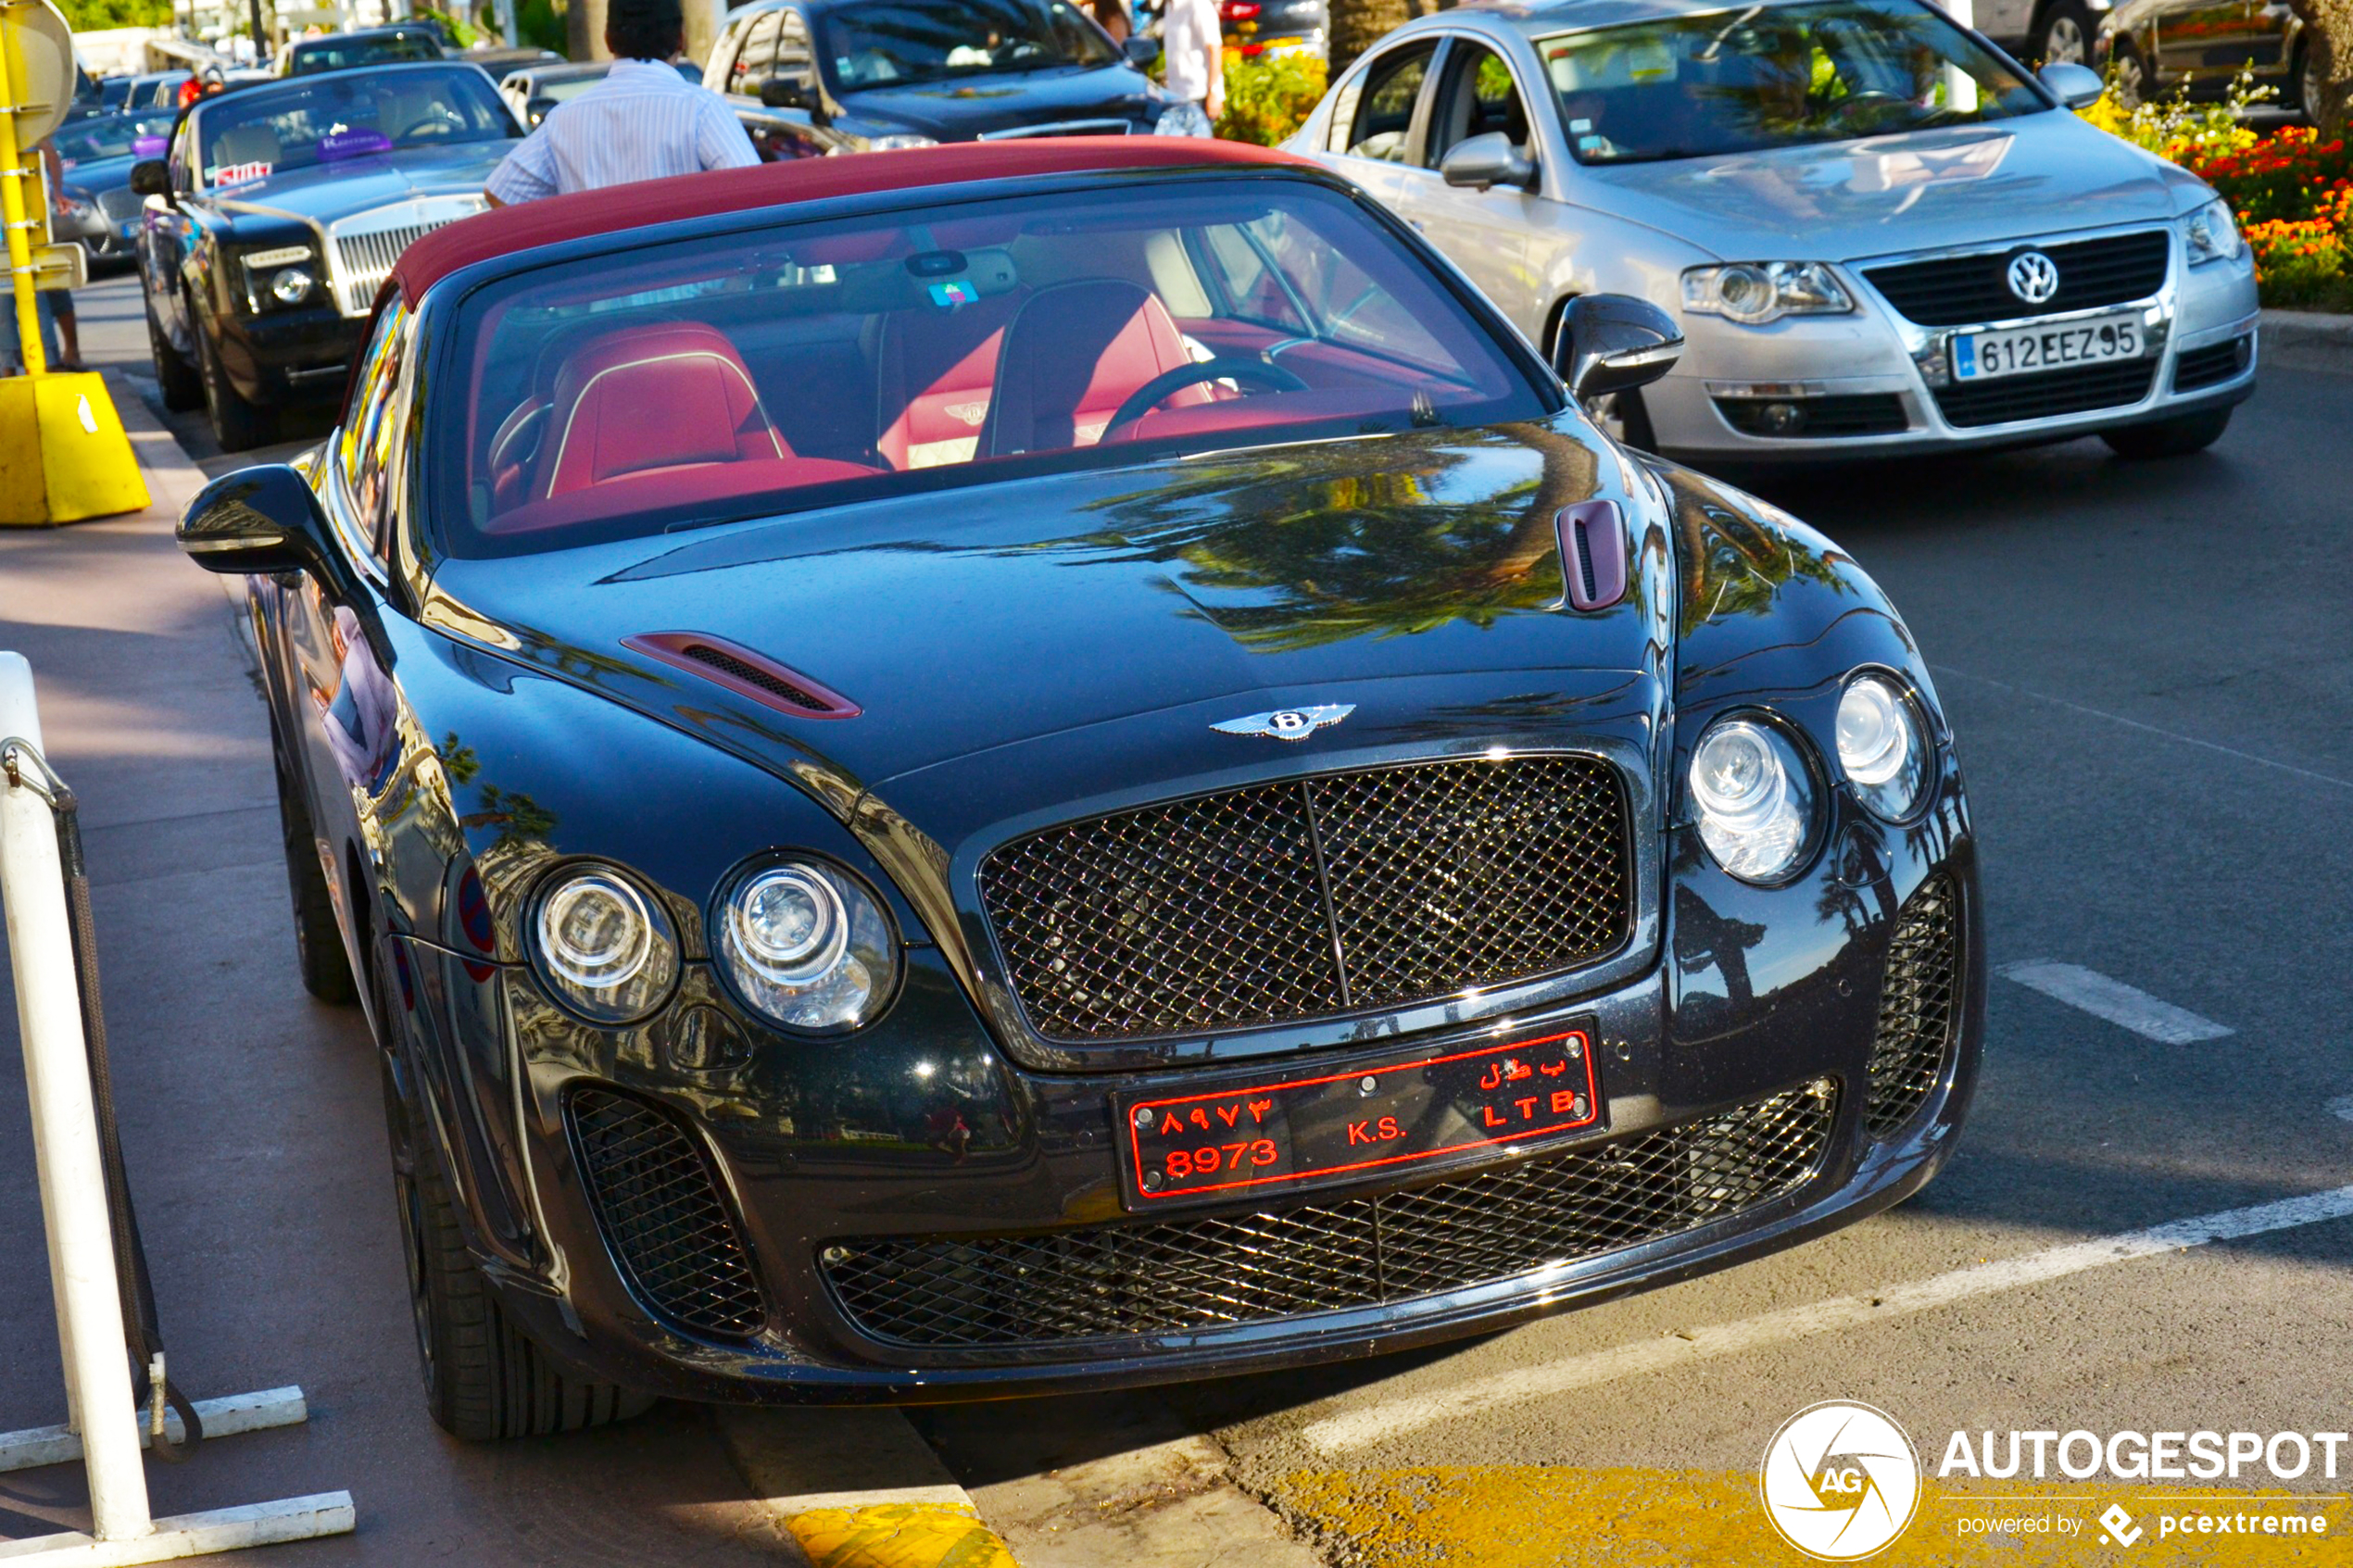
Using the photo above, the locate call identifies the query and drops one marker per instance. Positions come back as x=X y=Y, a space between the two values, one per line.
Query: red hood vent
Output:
x=743 y=671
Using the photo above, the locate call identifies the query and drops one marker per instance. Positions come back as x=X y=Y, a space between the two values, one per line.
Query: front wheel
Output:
x=2310 y=83
x=2170 y=438
x=2065 y=37
x=183 y=388
x=326 y=974
x=2128 y=80
x=237 y=424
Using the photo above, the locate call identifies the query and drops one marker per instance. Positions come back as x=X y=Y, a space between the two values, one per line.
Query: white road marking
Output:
x=2114 y=1001
x=1374 y=1423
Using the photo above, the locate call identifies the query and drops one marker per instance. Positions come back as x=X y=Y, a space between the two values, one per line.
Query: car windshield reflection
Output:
x=902 y=43
x=252 y=135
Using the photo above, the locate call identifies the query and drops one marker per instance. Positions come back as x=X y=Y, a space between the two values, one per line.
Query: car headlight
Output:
x=292 y=285
x=1754 y=293
x=898 y=142
x=1883 y=746
x=1754 y=799
x=807 y=946
x=2211 y=233
x=602 y=947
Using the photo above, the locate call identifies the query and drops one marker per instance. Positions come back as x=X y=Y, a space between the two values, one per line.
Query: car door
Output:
x=2205 y=40
x=1375 y=115
x=1486 y=234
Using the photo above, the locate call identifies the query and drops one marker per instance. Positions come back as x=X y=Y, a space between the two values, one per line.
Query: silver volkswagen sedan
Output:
x=1879 y=233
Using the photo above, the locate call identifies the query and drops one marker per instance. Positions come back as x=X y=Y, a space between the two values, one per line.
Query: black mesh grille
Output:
x=2216 y=362
x=1313 y=897
x=1920 y=1002
x=752 y=674
x=2046 y=397
x=662 y=1214
x=1180 y=1275
x=1954 y=290
x=1878 y=413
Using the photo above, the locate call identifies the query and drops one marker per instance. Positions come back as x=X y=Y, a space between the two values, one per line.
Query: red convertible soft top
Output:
x=558 y=218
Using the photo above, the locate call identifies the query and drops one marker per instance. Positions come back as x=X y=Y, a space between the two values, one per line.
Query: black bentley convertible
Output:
x=1049 y=765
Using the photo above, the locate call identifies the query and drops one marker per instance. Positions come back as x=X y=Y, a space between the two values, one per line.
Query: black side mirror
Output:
x=1491 y=159
x=1141 y=51
x=536 y=109
x=2075 y=86
x=789 y=92
x=264 y=519
x=149 y=178
x=1614 y=343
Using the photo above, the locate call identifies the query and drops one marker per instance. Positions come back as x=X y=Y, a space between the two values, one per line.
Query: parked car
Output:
x=2154 y=48
x=97 y=155
x=534 y=90
x=157 y=91
x=894 y=850
x=1253 y=28
x=278 y=212
x=362 y=46
x=1879 y=236
x=815 y=76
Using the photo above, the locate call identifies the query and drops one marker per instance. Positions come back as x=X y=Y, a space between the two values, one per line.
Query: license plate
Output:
x=1983 y=356
x=1309 y=1129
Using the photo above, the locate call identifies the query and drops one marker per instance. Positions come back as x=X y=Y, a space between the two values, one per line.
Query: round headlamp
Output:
x=1883 y=746
x=292 y=285
x=807 y=946
x=601 y=947
x=1753 y=798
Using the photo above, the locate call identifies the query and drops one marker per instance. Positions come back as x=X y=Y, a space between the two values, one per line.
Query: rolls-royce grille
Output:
x=1313 y=897
x=2046 y=397
x=1182 y=1276
x=1957 y=291
x=1920 y=1003
x=363 y=249
x=662 y=1214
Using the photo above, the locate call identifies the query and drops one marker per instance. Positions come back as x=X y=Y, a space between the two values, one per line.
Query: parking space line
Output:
x=2121 y=1004
x=857 y=1489
x=1371 y=1424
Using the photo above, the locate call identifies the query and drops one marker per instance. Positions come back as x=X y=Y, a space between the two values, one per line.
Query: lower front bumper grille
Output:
x=661 y=1213
x=1919 y=1005
x=2046 y=397
x=2213 y=364
x=1875 y=413
x=1174 y=1276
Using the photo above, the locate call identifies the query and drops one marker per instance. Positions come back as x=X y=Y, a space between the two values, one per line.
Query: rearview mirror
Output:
x=535 y=109
x=149 y=178
x=1491 y=159
x=2073 y=85
x=1613 y=343
x=1142 y=51
x=264 y=519
x=789 y=92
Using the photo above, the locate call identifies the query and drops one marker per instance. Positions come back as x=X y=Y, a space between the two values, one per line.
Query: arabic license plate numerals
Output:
x=1982 y=355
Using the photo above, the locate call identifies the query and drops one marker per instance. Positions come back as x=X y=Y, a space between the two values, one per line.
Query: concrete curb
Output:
x=2308 y=340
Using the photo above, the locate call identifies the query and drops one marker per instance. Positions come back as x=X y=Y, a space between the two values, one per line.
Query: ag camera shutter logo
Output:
x=1839 y=1481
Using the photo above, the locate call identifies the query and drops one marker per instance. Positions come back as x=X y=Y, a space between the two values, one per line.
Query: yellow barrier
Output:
x=63 y=453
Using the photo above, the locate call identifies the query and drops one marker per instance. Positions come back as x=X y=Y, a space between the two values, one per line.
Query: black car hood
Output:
x=979 y=619
x=974 y=106
x=325 y=191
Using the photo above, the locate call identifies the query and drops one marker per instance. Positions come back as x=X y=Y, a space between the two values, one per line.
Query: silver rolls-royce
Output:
x=1881 y=233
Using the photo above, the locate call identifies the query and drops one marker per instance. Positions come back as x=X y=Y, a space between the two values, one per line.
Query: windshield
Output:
x=335 y=53
x=1777 y=76
x=894 y=43
x=794 y=366
x=86 y=141
x=263 y=130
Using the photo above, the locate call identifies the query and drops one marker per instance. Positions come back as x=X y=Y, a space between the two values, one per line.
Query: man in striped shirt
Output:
x=643 y=122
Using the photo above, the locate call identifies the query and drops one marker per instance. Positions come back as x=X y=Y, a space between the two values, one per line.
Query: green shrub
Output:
x=97 y=16
x=1268 y=96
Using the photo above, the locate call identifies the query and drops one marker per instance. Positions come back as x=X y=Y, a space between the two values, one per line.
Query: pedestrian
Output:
x=61 y=301
x=1112 y=15
x=643 y=122
x=1194 y=45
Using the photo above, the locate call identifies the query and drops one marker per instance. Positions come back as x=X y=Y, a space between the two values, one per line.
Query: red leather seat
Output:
x=644 y=399
x=1071 y=356
x=936 y=376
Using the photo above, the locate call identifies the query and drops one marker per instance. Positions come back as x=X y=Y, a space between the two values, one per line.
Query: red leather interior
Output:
x=1072 y=355
x=651 y=398
x=936 y=376
x=657 y=488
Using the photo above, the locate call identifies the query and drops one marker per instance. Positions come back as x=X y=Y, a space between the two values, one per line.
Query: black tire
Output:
x=2306 y=82
x=183 y=387
x=2170 y=438
x=2128 y=80
x=237 y=425
x=484 y=1379
x=2064 y=35
x=326 y=973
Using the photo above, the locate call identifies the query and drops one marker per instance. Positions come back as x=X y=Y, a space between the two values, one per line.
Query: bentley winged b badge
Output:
x=1288 y=723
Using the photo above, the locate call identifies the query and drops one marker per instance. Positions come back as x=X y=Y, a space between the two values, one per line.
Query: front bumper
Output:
x=1873 y=384
x=296 y=355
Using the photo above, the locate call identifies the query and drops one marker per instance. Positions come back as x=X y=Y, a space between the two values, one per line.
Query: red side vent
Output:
x=1593 y=538
x=741 y=670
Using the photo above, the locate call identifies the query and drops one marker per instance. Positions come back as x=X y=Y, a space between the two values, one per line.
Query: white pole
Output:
x=74 y=1189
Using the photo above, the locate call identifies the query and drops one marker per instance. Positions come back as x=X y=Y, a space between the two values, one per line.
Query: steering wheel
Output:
x=1149 y=396
x=1871 y=101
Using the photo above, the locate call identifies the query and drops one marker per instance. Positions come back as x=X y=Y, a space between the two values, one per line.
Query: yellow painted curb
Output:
x=896 y=1534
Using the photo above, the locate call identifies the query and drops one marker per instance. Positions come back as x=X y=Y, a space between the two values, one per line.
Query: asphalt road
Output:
x=2150 y=671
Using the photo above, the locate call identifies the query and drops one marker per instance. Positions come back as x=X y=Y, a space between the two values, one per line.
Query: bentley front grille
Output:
x=1958 y=291
x=1184 y=1275
x=1920 y=1007
x=663 y=1215
x=1313 y=897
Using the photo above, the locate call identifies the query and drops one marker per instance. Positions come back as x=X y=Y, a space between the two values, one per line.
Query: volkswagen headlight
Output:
x=1754 y=293
x=1883 y=746
x=601 y=947
x=2211 y=233
x=1753 y=798
x=806 y=945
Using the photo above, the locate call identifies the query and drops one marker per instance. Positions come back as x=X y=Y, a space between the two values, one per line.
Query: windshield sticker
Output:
x=148 y=146
x=240 y=173
x=355 y=143
x=951 y=295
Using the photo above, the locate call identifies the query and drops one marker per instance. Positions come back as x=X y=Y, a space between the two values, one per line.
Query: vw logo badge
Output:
x=2033 y=277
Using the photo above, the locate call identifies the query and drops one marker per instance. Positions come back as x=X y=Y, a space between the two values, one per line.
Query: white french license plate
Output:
x=2023 y=350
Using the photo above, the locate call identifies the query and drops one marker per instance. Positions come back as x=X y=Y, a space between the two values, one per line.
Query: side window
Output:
x=1480 y=97
x=178 y=172
x=756 y=61
x=792 y=49
x=364 y=448
x=1384 y=109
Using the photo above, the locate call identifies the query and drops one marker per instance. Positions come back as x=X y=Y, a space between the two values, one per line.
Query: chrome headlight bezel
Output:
x=2211 y=233
x=1895 y=788
x=1753 y=294
x=640 y=968
x=848 y=978
x=1800 y=790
